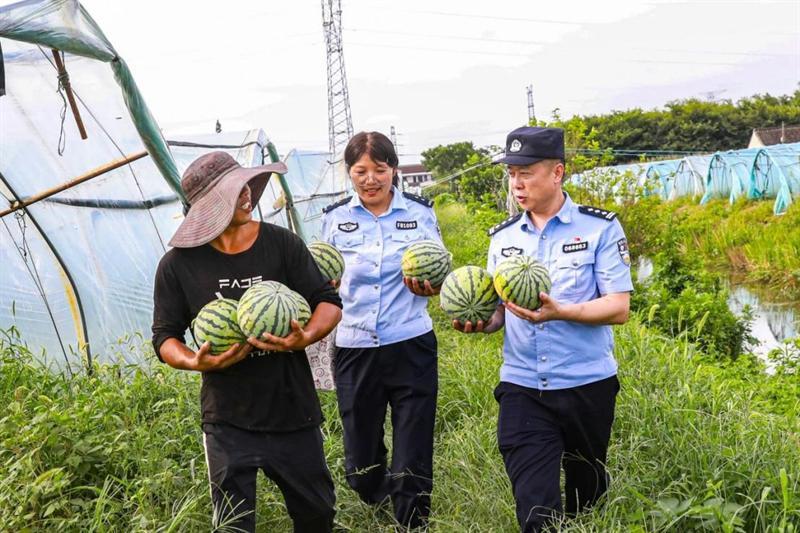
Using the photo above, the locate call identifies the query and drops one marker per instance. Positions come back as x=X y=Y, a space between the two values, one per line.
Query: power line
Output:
x=446 y=50
x=439 y=36
x=490 y=17
x=527 y=42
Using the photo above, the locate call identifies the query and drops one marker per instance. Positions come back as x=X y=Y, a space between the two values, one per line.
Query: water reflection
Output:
x=773 y=322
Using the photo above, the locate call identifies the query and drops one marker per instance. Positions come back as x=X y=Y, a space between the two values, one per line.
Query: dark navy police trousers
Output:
x=403 y=375
x=541 y=431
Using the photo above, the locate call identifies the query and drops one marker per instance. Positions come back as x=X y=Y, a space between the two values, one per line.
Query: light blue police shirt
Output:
x=378 y=308
x=587 y=255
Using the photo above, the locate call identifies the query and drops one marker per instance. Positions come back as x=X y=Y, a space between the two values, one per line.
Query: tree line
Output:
x=690 y=125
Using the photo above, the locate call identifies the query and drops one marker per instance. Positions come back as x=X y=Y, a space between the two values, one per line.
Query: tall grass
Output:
x=745 y=239
x=695 y=445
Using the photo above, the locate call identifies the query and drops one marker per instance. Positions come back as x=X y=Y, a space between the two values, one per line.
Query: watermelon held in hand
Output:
x=468 y=295
x=269 y=307
x=520 y=279
x=217 y=323
x=328 y=259
x=427 y=260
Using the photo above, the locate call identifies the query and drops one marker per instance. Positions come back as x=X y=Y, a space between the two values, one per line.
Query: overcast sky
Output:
x=443 y=71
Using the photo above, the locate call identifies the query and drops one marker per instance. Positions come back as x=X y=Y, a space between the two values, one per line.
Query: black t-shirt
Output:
x=265 y=391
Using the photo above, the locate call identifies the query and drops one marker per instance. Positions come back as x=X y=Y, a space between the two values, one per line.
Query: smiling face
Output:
x=537 y=187
x=372 y=181
x=372 y=164
x=244 y=208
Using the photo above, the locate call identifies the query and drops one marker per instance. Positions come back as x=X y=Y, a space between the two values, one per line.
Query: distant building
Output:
x=777 y=135
x=415 y=177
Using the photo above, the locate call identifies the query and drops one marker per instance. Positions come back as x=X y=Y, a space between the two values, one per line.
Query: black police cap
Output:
x=528 y=144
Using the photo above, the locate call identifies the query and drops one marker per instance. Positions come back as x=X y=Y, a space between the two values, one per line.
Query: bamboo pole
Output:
x=64 y=77
x=99 y=171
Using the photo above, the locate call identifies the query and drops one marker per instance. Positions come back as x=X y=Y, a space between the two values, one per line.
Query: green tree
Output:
x=444 y=160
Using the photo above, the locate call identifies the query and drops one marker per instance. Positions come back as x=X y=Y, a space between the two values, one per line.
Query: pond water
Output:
x=773 y=321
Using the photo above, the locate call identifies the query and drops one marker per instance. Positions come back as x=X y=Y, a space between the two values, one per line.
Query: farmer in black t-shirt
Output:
x=259 y=406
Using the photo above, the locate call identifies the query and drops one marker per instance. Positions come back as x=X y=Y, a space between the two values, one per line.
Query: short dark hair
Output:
x=377 y=145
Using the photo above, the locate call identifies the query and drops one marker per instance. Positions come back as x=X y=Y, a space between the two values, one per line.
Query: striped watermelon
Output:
x=328 y=258
x=427 y=260
x=216 y=322
x=520 y=279
x=269 y=307
x=468 y=295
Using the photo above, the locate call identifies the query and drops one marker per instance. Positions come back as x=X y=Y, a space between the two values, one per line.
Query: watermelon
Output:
x=328 y=259
x=217 y=323
x=468 y=295
x=427 y=260
x=520 y=279
x=269 y=307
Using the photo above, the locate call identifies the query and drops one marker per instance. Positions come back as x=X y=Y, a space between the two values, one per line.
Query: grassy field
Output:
x=697 y=445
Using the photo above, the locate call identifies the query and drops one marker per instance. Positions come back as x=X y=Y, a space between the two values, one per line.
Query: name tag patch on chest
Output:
x=575 y=247
x=348 y=226
x=406 y=224
x=511 y=251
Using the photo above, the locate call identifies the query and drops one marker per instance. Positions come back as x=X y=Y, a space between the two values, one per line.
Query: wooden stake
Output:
x=99 y=171
x=62 y=74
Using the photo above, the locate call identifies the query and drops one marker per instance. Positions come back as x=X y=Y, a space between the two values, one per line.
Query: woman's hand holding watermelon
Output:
x=495 y=323
x=421 y=289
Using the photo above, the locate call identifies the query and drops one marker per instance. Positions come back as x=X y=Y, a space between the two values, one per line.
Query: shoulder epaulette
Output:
x=504 y=224
x=597 y=212
x=418 y=199
x=333 y=206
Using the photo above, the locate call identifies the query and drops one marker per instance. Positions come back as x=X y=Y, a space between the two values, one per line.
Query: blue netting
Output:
x=661 y=177
x=752 y=173
x=776 y=174
x=690 y=177
x=729 y=175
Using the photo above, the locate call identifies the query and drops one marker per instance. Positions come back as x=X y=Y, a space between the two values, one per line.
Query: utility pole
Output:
x=531 y=114
x=393 y=136
x=340 y=122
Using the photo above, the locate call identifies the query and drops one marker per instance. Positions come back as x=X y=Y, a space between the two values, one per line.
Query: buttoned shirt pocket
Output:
x=347 y=242
x=351 y=247
x=407 y=236
x=398 y=242
x=573 y=276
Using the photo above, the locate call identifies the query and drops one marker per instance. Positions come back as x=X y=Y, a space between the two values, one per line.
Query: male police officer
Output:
x=558 y=381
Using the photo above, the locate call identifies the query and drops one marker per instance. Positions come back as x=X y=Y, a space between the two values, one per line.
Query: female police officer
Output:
x=386 y=350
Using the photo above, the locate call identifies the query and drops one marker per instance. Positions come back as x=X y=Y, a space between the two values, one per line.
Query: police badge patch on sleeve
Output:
x=511 y=251
x=624 y=253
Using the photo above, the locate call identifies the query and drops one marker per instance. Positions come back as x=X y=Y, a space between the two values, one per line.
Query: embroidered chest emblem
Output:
x=348 y=226
x=575 y=247
x=406 y=224
x=511 y=251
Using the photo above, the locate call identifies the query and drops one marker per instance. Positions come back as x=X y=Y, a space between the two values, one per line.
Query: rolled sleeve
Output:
x=612 y=262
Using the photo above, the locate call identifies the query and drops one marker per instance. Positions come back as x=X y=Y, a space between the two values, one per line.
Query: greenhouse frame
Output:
x=92 y=188
x=769 y=173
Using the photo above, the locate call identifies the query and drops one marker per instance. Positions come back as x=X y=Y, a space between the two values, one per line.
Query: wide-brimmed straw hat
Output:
x=212 y=185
